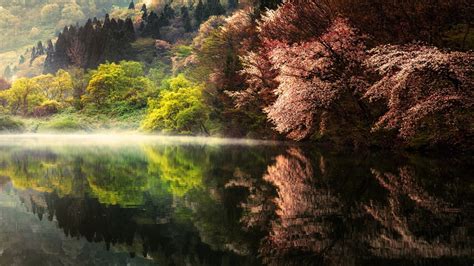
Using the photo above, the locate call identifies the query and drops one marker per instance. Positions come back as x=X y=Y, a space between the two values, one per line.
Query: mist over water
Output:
x=122 y=139
x=137 y=199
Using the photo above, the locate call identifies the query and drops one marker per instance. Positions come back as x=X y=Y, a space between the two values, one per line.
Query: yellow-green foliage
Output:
x=40 y=172
x=22 y=97
x=180 y=169
x=115 y=177
x=117 y=180
x=182 y=51
x=179 y=109
x=63 y=124
x=26 y=94
x=118 y=87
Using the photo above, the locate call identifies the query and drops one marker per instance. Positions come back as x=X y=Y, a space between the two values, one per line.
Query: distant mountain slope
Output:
x=25 y=22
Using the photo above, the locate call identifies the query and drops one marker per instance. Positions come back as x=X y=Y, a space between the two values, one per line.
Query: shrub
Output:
x=10 y=125
x=63 y=124
x=47 y=108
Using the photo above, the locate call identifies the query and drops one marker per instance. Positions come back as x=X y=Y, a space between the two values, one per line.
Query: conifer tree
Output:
x=233 y=4
x=199 y=13
x=186 y=19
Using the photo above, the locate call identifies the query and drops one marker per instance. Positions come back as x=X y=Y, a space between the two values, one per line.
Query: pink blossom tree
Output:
x=426 y=91
x=314 y=78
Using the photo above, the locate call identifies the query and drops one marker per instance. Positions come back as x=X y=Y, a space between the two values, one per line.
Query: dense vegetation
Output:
x=353 y=73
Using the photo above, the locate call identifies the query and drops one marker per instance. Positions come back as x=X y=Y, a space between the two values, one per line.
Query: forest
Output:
x=345 y=73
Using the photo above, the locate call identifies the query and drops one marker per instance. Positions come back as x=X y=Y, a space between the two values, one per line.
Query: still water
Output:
x=84 y=200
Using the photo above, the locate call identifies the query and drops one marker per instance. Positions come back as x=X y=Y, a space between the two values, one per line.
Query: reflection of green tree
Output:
x=40 y=170
x=179 y=168
x=117 y=178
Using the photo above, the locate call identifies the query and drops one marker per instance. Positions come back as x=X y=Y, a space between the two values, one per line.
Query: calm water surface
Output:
x=83 y=200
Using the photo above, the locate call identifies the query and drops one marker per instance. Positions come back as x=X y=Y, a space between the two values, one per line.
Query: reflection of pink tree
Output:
x=301 y=209
x=398 y=239
x=304 y=204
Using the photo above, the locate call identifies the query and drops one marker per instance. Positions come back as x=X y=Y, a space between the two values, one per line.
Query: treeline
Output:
x=110 y=40
x=89 y=45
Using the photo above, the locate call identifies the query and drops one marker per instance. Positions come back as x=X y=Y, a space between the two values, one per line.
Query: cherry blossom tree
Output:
x=297 y=220
x=294 y=22
x=260 y=78
x=314 y=78
x=426 y=91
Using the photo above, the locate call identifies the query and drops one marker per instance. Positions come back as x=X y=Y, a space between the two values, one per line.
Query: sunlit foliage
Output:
x=117 y=87
x=179 y=108
x=38 y=96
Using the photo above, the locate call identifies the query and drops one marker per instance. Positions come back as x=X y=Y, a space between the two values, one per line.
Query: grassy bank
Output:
x=72 y=122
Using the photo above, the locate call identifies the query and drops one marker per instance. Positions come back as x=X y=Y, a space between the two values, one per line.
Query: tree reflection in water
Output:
x=203 y=205
x=314 y=219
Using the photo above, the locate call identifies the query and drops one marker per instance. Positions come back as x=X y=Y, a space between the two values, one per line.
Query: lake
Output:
x=143 y=200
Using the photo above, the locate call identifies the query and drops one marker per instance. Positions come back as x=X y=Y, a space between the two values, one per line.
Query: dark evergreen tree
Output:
x=168 y=12
x=186 y=19
x=8 y=73
x=129 y=29
x=90 y=45
x=151 y=24
x=199 y=13
x=144 y=10
x=132 y=5
x=233 y=4
x=33 y=54
x=163 y=20
x=40 y=48
x=215 y=8
x=48 y=63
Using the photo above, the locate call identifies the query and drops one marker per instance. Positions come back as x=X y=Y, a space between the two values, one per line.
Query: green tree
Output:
x=199 y=13
x=181 y=169
x=180 y=108
x=118 y=86
x=57 y=87
x=23 y=96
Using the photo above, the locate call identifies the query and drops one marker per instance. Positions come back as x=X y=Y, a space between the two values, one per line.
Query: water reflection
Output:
x=216 y=204
x=355 y=211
